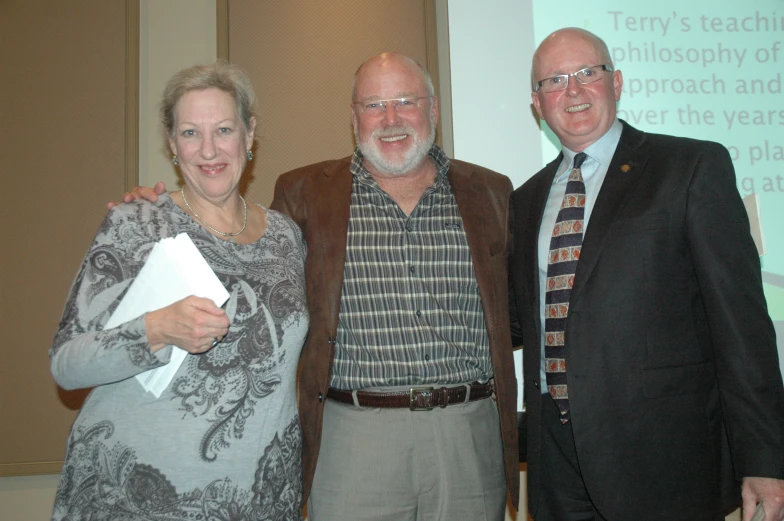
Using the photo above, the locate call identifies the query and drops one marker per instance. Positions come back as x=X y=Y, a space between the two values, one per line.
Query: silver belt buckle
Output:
x=411 y=392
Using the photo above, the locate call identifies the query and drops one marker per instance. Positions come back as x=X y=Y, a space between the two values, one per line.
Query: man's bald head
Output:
x=556 y=38
x=386 y=60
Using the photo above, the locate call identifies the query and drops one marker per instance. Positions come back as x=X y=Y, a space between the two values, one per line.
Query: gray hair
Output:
x=220 y=75
x=431 y=91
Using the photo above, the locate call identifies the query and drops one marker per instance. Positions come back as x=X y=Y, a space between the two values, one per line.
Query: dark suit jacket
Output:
x=317 y=197
x=674 y=384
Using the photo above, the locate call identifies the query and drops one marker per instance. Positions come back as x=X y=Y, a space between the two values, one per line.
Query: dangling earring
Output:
x=175 y=160
x=250 y=155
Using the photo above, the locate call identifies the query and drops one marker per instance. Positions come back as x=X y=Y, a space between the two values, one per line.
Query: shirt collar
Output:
x=436 y=153
x=601 y=151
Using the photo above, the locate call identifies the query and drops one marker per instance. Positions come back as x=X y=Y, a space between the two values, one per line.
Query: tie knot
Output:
x=579 y=159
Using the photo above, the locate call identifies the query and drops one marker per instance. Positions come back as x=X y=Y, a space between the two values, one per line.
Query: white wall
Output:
x=491 y=44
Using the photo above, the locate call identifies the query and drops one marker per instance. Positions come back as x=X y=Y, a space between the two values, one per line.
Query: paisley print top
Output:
x=222 y=443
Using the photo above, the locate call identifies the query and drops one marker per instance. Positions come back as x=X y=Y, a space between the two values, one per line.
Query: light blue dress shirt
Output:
x=594 y=169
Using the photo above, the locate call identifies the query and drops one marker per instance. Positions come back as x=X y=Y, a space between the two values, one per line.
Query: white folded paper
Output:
x=175 y=269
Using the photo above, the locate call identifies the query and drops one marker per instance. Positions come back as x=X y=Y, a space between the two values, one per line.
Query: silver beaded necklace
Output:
x=225 y=234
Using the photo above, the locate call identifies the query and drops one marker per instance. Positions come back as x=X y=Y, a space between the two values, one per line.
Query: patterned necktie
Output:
x=565 y=246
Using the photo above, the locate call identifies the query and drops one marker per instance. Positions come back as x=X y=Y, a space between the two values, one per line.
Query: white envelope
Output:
x=174 y=270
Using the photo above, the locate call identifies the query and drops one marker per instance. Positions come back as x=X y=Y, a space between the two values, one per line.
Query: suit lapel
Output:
x=333 y=198
x=471 y=200
x=536 y=203
x=626 y=165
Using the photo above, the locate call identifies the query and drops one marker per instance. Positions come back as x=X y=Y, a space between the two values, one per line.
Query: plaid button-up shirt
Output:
x=410 y=311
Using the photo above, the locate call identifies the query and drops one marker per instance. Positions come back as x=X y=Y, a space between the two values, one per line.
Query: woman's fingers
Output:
x=192 y=324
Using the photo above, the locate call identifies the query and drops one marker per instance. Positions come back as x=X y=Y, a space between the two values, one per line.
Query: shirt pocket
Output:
x=641 y=224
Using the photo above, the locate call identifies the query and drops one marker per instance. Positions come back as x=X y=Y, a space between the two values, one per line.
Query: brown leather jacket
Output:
x=317 y=197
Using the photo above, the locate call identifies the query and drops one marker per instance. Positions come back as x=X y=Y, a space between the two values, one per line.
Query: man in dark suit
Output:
x=652 y=379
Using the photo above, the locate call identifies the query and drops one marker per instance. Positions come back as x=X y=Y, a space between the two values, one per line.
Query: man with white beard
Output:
x=408 y=339
x=407 y=393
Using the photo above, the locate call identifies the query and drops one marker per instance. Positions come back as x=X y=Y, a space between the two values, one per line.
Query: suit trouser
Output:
x=563 y=495
x=401 y=465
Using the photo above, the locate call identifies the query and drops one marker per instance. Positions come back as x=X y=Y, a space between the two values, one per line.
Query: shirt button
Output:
x=411 y=269
x=409 y=228
x=418 y=313
x=427 y=358
x=320 y=397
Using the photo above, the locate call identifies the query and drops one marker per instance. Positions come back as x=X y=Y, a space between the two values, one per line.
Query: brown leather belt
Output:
x=415 y=398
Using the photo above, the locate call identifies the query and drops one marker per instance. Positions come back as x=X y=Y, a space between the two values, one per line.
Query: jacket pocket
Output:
x=659 y=382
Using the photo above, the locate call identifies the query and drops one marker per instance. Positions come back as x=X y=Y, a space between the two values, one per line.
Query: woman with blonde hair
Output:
x=222 y=442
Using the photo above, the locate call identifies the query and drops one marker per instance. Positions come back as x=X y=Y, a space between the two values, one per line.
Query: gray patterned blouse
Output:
x=223 y=440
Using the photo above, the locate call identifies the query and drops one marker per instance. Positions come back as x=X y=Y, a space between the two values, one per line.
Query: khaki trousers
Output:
x=401 y=465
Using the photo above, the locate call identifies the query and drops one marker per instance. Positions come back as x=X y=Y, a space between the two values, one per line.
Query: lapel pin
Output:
x=625 y=168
